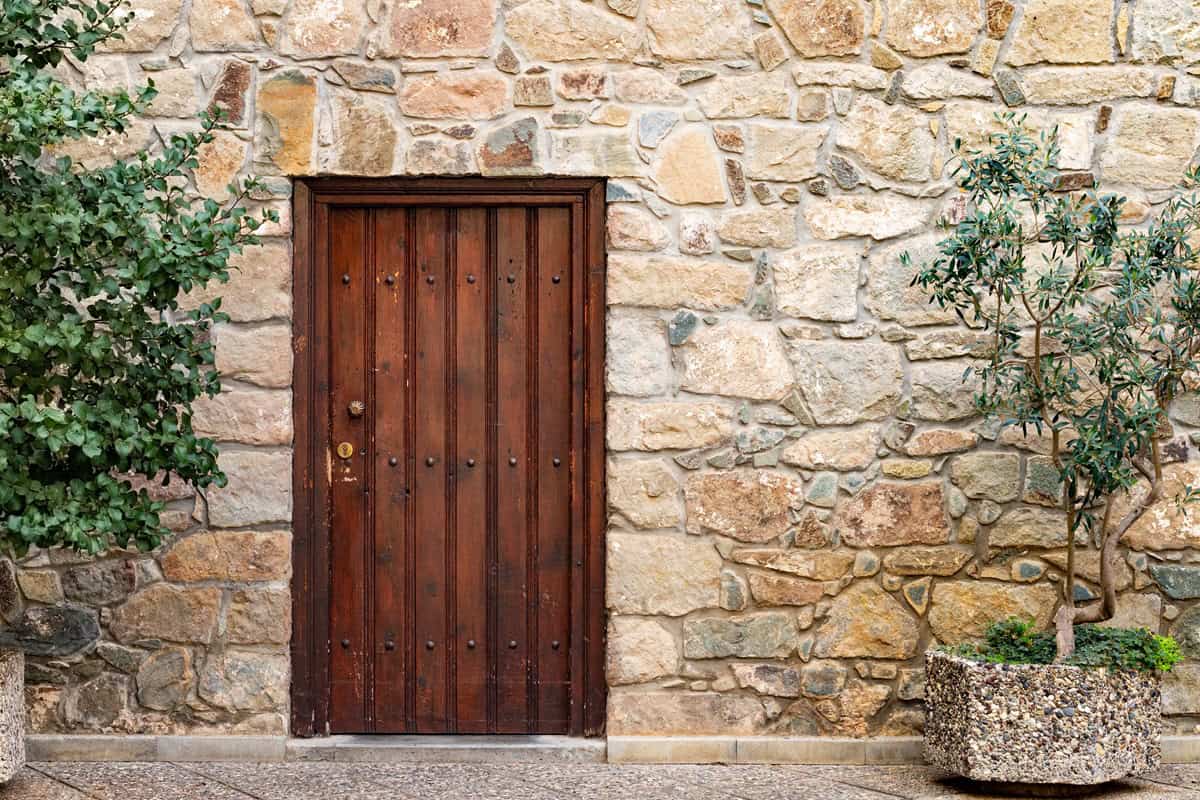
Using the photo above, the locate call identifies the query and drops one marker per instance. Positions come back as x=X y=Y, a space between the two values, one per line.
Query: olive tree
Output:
x=1093 y=330
x=98 y=365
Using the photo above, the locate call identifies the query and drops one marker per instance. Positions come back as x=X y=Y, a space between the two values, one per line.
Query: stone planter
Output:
x=12 y=713
x=1039 y=724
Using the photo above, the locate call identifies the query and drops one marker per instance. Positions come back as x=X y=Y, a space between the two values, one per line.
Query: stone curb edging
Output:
x=616 y=749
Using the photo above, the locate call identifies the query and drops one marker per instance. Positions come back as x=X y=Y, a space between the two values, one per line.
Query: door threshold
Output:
x=447 y=749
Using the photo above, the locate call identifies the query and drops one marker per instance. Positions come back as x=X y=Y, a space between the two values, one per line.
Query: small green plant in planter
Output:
x=98 y=366
x=1093 y=332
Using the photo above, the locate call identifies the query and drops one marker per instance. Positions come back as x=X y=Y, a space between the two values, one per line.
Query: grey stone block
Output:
x=1040 y=723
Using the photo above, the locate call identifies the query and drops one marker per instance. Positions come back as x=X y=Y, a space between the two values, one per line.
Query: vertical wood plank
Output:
x=350 y=649
x=512 y=435
x=389 y=414
x=430 y=485
x=471 y=432
x=552 y=521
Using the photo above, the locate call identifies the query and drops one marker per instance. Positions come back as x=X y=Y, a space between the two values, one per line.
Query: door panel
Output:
x=451 y=527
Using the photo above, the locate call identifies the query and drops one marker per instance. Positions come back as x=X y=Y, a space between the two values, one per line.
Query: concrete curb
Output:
x=507 y=749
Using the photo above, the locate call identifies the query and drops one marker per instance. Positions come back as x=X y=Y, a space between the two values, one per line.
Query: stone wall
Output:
x=801 y=500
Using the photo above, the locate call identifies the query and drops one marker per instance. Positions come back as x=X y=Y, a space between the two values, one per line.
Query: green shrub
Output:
x=1015 y=641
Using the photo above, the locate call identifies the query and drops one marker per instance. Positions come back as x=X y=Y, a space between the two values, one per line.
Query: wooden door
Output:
x=452 y=468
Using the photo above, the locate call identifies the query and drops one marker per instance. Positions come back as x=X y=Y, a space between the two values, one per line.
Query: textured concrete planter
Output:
x=12 y=713
x=1033 y=723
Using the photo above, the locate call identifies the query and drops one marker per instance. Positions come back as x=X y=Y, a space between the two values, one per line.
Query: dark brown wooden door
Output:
x=456 y=427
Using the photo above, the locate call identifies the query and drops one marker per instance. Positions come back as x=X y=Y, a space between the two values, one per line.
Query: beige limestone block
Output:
x=286 y=108
x=668 y=425
x=639 y=357
x=220 y=162
x=837 y=450
x=736 y=359
x=466 y=95
x=758 y=227
x=645 y=492
x=668 y=574
x=974 y=123
x=1086 y=85
x=879 y=216
x=677 y=713
x=892 y=140
x=746 y=96
x=245 y=416
x=260 y=355
x=647 y=86
x=259 y=615
x=259 y=489
x=962 y=610
x=607 y=153
x=889 y=514
x=818 y=281
x=840 y=73
x=783 y=152
x=821 y=27
x=1163 y=526
x=366 y=135
x=1063 y=32
x=688 y=169
x=671 y=281
x=221 y=26
x=569 y=30
x=153 y=21
x=698 y=30
x=229 y=556
x=1150 y=147
x=324 y=28
x=933 y=27
x=170 y=613
x=1167 y=31
x=747 y=505
x=439 y=29
x=890 y=293
x=842 y=383
x=640 y=650
x=259 y=286
x=631 y=227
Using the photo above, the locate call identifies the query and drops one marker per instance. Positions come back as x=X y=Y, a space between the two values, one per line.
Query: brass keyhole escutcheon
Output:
x=345 y=450
x=357 y=408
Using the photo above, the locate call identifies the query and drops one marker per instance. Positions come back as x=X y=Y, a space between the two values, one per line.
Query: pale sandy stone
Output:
x=1163 y=526
x=246 y=416
x=840 y=73
x=668 y=574
x=439 y=157
x=639 y=358
x=220 y=162
x=770 y=50
x=688 y=169
x=468 y=95
x=837 y=450
x=675 y=713
x=633 y=228
x=239 y=556
x=286 y=108
x=608 y=153
x=963 y=610
x=783 y=153
x=153 y=21
x=439 y=29
x=697 y=30
x=649 y=426
x=938 y=81
x=221 y=25
x=323 y=28
x=259 y=287
x=1167 y=31
x=933 y=27
x=821 y=27
x=943 y=391
x=671 y=281
x=569 y=30
x=750 y=505
x=102 y=151
x=366 y=135
x=759 y=227
x=818 y=281
x=892 y=140
x=890 y=293
x=1063 y=32
x=974 y=122
x=642 y=85
x=1082 y=86
x=880 y=216
x=737 y=359
x=176 y=93
x=644 y=492
x=640 y=650
x=846 y=382
x=259 y=489
x=746 y=96
x=1150 y=146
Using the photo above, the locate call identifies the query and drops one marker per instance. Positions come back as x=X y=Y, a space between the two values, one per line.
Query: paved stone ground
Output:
x=328 y=781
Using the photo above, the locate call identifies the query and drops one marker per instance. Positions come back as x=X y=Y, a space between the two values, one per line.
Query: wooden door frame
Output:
x=311 y=200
